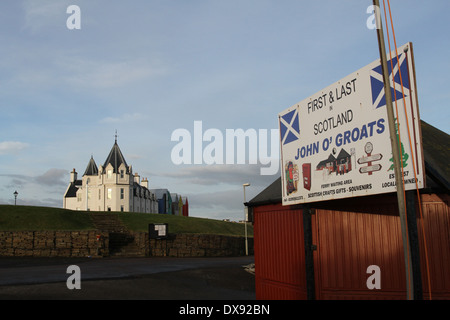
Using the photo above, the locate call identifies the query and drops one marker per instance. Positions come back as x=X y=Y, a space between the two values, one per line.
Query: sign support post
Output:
x=395 y=154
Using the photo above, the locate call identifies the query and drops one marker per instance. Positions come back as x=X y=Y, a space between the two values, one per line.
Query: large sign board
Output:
x=336 y=143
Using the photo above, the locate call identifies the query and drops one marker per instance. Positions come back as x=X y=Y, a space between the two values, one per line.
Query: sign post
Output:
x=394 y=137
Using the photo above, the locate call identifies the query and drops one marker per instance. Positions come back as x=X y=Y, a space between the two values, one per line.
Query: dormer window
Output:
x=109 y=174
x=121 y=174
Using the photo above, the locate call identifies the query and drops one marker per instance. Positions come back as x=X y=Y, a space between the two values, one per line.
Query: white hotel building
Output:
x=111 y=187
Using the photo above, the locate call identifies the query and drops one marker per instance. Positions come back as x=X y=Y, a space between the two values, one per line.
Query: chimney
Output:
x=137 y=178
x=144 y=183
x=73 y=176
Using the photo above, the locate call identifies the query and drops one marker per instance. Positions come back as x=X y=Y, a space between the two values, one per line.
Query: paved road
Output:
x=128 y=278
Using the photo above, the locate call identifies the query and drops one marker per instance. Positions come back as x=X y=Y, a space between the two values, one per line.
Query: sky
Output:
x=149 y=69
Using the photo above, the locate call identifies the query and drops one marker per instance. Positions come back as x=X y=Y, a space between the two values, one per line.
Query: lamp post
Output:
x=245 y=219
x=15 y=197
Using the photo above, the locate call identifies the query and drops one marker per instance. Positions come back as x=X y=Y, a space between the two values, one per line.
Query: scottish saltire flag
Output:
x=377 y=85
x=289 y=127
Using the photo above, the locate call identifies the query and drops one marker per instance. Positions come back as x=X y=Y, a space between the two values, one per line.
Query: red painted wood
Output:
x=350 y=236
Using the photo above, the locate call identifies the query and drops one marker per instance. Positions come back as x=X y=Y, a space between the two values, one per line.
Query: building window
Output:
x=79 y=196
x=89 y=194
x=109 y=174
x=109 y=193
x=121 y=174
x=121 y=193
x=99 y=194
x=121 y=208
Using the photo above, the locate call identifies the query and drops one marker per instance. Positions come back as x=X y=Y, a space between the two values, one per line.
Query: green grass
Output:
x=28 y=218
x=179 y=224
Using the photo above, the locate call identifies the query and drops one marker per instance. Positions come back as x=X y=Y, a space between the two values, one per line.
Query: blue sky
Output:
x=147 y=68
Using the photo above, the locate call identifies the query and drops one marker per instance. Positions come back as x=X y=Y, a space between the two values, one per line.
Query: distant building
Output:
x=175 y=209
x=164 y=200
x=185 y=208
x=110 y=187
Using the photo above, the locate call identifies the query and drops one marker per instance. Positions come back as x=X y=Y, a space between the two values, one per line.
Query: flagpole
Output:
x=395 y=153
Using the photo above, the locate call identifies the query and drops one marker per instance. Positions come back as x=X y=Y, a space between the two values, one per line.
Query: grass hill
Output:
x=29 y=218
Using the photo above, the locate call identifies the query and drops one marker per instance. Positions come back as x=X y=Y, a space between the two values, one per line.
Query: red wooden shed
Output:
x=323 y=250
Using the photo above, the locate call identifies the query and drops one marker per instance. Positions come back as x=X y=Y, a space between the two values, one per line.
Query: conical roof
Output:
x=115 y=158
x=91 y=169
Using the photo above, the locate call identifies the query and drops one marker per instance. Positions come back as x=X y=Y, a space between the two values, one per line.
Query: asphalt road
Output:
x=127 y=279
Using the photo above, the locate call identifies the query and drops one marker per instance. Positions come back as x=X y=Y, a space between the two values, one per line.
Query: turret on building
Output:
x=109 y=187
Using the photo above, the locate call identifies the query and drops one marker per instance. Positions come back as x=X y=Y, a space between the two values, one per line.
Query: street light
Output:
x=15 y=197
x=245 y=219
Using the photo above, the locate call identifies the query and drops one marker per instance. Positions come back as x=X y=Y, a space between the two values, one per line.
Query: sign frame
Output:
x=158 y=231
x=343 y=132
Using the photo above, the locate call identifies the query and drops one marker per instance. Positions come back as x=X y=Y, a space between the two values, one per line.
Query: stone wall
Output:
x=84 y=244
x=53 y=243
x=194 y=245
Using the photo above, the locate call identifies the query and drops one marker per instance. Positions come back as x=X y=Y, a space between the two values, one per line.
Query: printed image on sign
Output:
x=336 y=143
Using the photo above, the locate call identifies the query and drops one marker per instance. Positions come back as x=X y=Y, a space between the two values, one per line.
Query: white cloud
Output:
x=79 y=74
x=46 y=189
x=101 y=74
x=12 y=147
x=52 y=177
x=127 y=117
x=225 y=200
x=211 y=175
x=83 y=79
x=133 y=156
x=219 y=205
x=44 y=13
x=47 y=202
